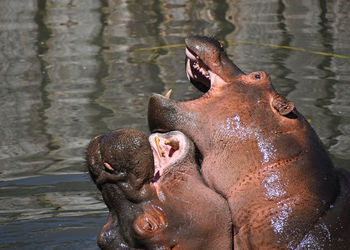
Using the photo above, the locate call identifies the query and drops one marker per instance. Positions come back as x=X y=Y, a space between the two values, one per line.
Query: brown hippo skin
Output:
x=260 y=154
x=160 y=204
x=120 y=163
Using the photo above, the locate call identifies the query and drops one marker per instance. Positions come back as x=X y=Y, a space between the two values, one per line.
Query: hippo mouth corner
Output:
x=198 y=73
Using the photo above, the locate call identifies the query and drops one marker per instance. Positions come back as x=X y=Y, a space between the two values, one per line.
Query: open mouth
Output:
x=167 y=149
x=197 y=71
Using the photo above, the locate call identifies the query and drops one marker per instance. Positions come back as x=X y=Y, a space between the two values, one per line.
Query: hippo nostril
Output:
x=257 y=76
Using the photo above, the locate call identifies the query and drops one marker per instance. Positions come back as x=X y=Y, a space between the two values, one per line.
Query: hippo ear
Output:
x=150 y=223
x=282 y=105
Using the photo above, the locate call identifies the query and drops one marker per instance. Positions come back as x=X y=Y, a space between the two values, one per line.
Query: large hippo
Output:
x=155 y=194
x=260 y=154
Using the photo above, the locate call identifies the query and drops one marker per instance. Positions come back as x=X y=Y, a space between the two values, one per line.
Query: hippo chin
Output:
x=155 y=194
x=260 y=154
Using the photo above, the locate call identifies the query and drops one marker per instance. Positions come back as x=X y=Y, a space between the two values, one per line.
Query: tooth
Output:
x=173 y=144
x=189 y=70
x=168 y=94
x=108 y=166
x=161 y=152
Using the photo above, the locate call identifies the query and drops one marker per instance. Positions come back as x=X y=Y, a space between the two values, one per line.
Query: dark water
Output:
x=72 y=69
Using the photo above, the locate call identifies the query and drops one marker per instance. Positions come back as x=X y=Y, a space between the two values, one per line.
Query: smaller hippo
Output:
x=167 y=208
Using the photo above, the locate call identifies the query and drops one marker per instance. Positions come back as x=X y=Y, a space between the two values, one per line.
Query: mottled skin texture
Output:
x=176 y=212
x=126 y=190
x=259 y=153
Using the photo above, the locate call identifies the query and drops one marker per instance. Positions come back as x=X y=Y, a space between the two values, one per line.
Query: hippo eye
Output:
x=257 y=76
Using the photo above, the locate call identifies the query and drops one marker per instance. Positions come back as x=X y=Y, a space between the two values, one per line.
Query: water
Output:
x=70 y=70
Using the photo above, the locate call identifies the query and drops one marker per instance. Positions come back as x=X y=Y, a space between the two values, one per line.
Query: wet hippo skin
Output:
x=156 y=204
x=120 y=163
x=260 y=154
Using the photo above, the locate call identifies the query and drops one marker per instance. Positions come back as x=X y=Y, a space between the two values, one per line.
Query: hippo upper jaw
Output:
x=206 y=61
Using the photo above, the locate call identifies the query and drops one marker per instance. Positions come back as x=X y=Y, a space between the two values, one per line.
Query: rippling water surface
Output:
x=72 y=69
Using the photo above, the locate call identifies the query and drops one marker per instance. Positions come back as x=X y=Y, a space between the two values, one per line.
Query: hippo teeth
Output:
x=168 y=94
x=166 y=151
x=107 y=166
x=201 y=68
x=161 y=152
x=198 y=73
x=175 y=145
x=189 y=72
x=194 y=62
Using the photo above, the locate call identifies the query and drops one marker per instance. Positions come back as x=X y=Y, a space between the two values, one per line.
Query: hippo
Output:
x=155 y=194
x=259 y=153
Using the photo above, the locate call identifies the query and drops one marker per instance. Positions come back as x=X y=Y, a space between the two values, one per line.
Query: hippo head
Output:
x=240 y=124
x=144 y=183
x=236 y=112
x=208 y=67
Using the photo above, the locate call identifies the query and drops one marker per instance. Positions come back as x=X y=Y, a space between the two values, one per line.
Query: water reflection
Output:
x=70 y=70
x=20 y=79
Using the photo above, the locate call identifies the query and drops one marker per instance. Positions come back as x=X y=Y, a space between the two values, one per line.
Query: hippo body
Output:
x=169 y=209
x=259 y=153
